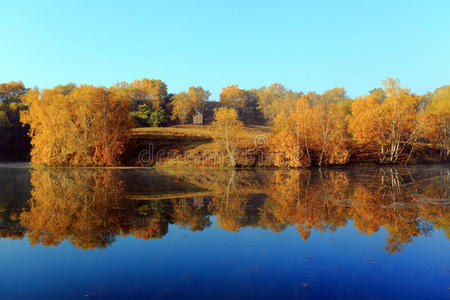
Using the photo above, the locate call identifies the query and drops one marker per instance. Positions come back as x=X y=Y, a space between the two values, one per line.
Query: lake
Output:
x=353 y=232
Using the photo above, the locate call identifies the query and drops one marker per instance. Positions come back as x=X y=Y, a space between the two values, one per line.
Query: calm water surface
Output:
x=357 y=232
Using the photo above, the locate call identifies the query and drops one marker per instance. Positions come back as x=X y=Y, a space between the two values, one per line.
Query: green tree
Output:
x=158 y=118
x=141 y=116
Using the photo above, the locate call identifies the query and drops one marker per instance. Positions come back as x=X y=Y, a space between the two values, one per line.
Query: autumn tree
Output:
x=232 y=97
x=399 y=123
x=111 y=127
x=47 y=117
x=378 y=94
x=268 y=99
x=184 y=105
x=12 y=92
x=313 y=97
x=275 y=100
x=318 y=130
x=181 y=107
x=152 y=92
x=286 y=104
x=363 y=122
x=392 y=126
x=330 y=132
x=291 y=145
x=425 y=100
x=88 y=126
x=226 y=130
x=66 y=88
x=198 y=96
x=243 y=101
x=437 y=119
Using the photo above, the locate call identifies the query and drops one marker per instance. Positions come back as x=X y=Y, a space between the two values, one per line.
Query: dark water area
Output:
x=341 y=233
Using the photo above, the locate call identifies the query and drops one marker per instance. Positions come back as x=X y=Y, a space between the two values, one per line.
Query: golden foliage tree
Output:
x=184 y=105
x=363 y=122
x=291 y=145
x=437 y=119
x=330 y=130
x=276 y=99
x=392 y=126
x=88 y=126
x=181 y=107
x=152 y=92
x=226 y=130
x=244 y=101
x=198 y=96
x=318 y=130
x=233 y=97
x=11 y=92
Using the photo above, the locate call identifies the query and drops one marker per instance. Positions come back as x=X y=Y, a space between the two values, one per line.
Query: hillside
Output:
x=164 y=145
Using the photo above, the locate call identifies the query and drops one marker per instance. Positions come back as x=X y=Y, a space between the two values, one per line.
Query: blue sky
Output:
x=305 y=45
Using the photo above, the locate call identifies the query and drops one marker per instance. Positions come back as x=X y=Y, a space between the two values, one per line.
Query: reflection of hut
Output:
x=198 y=202
x=197 y=119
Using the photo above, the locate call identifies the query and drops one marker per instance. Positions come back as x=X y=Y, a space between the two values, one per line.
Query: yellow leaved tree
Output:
x=226 y=130
x=309 y=133
x=86 y=127
x=437 y=119
x=391 y=126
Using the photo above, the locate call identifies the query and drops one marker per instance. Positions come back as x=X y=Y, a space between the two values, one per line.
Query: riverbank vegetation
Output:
x=271 y=126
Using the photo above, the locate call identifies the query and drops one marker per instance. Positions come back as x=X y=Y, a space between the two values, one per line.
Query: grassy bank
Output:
x=186 y=145
x=192 y=146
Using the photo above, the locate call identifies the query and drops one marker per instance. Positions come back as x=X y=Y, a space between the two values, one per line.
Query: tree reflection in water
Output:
x=91 y=207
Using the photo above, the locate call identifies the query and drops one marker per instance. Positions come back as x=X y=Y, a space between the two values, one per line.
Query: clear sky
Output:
x=305 y=45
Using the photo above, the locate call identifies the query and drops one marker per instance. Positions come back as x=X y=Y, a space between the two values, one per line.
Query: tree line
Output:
x=391 y=122
x=88 y=125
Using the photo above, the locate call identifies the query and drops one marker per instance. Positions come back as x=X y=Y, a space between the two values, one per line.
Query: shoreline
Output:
x=29 y=165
